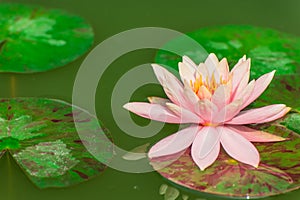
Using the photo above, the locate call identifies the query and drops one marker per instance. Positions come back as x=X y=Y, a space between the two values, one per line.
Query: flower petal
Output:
x=242 y=85
x=174 y=143
x=277 y=116
x=153 y=111
x=186 y=60
x=206 y=147
x=190 y=95
x=227 y=112
x=238 y=147
x=158 y=100
x=204 y=93
x=246 y=92
x=191 y=98
x=257 y=115
x=223 y=69
x=211 y=63
x=172 y=86
x=221 y=96
x=206 y=109
x=253 y=135
x=202 y=69
x=239 y=72
x=185 y=115
x=187 y=73
x=261 y=85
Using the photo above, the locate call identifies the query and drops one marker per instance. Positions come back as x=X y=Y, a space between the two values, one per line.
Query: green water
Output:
x=109 y=18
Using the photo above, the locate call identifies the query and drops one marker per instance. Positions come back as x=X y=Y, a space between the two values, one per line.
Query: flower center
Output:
x=210 y=124
x=204 y=88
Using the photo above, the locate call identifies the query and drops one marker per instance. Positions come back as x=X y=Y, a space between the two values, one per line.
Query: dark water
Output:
x=109 y=18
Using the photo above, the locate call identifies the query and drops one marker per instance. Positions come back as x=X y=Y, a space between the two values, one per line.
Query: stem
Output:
x=9 y=181
x=13 y=86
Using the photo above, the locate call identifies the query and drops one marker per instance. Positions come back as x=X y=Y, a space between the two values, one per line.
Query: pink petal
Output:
x=186 y=60
x=158 y=100
x=204 y=93
x=202 y=69
x=190 y=95
x=253 y=135
x=223 y=69
x=238 y=73
x=228 y=112
x=260 y=86
x=153 y=111
x=191 y=98
x=174 y=143
x=172 y=86
x=257 y=115
x=206 y=109
x=277 y=116
x=185 y=115
x=221 y=96
x=238 y=147
x=246 y=92
x=242 y=85
x=212 y=63
x=187 y=73
x=206 y=147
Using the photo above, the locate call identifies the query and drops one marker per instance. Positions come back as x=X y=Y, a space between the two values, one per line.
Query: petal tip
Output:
x=126 y=106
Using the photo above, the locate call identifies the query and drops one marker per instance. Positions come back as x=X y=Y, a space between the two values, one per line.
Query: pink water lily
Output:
x=211 y=98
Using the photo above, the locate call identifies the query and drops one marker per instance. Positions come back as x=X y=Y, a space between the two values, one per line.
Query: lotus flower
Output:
x=211 y=98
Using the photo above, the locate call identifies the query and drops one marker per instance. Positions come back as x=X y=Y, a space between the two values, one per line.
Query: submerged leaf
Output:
x=171 y=193
x=41 y=136
x=35 y=39
x=163 y=188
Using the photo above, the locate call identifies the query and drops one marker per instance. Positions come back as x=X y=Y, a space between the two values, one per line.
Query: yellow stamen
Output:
x=210 y=84
x=210 y=124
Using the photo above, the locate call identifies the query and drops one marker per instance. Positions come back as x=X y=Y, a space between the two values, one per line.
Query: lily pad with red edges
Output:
x=278 y=172
x=268 y=49
x=36 y=39
x=41 y=136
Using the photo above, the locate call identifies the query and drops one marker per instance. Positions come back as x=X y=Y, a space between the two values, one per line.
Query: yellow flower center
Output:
x=205 y=88
x=210 y=124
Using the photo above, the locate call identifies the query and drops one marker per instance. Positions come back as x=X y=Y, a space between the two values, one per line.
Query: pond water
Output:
x=109 y=18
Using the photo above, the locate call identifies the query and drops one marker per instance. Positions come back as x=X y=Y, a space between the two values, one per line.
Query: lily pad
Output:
x=35 y=39
x=268 y=49
x=41 y=136
x=277 y=173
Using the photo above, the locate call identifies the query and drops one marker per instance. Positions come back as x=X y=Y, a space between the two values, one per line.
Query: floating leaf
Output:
x=35 y=39
x=278 y=172
x=41 y=136
x=292 y=122
x=268 y=49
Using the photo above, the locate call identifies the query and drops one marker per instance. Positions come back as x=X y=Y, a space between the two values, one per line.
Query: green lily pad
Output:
x=292 y=122
x=35 y=39
x=268 y=49
x=278 y=172
x=41 y=136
